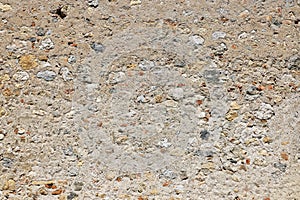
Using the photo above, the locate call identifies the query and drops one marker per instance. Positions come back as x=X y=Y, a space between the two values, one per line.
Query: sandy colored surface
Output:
x=150 y=100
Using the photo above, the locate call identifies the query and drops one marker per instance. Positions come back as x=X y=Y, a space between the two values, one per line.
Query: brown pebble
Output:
x=42 y=191
x=284 y=156
x=57 y=192
x=28 y=62
x=267 y=139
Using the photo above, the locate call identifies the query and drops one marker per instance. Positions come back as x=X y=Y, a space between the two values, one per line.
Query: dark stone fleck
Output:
x=71 y=196
x=69 y=151
x=97 y=47
x=78 y=186
x=252 y=90
x=7 y=162
x=204 y=134
x=32 y=39
x=61 y=13
x=40 y=31
x=280 y=166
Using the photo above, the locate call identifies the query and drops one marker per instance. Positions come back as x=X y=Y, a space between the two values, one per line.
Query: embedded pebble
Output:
x=10 y=185
x=2 y=111
x=164 y=143
x=97 y=47
x=197 y=39
x=264 y=112
x=28 y=62
x=46 y=75
x=78 y=186
x=93 y=3
x=72 y=59
x=218 y=35
x=21 y=76
x=40 y=31
x=66 y=74
x=146 y=65
x=176 y=93
x=5 y=7
x=46 y=44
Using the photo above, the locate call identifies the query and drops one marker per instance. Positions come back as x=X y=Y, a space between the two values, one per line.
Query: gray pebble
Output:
x=68 y=151
x=40 y=31
x=66 y=74
x=212 y=76
x=294 y=62
x=218 y=35
x=280 y=166
x=71 y=59
x=97 y=47
x=196 y=39
x=141 y=99
x=73 y=171
x=146 y=65
x=204 y=134
x=289 y=3
x=71 y=196
x=46 y=44
x=169 y=174
x=32 y=39
x=46 y=75
x=264 y=112
x=93 y=3
x=93 y=108
x=176 y=93
x=164 y=143
x=78 y=186
x=251 y=90
x=21 y=76
x=243 y=35
x=7 y=162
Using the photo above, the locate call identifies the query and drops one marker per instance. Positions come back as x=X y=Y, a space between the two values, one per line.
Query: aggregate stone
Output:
x=68 y=151
x=66 y=74
x=2 y=111
x=46 y=75
x=204 y=134
x=40 y=31
x=72 y=59
x=72 y=195
x=93 y=3
x=218 y=35
x=17 y=46
x=78 y=186
x=28 y=62
x=46 y=44
x=169 y=174
x=10 y=185
x=5 y=7
x=164 y=143
x=197 y=39
x=97 y=47
x=146 y=65
x=177 y=93
x=21 y=76
x=72 y=171
x=294 y=62
x=265 y=111
x=280 y=166
x=7 y=162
